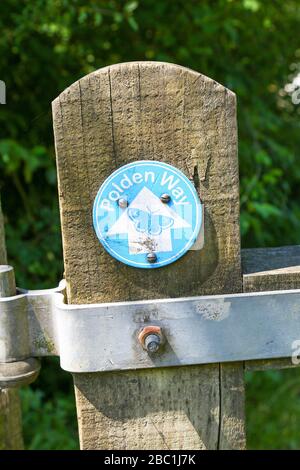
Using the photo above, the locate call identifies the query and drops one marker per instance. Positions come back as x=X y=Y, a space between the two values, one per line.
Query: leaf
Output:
x=131 y=6
x=133 y=24
x=266 y=210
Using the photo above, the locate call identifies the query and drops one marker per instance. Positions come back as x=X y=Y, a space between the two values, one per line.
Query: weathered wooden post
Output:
x=152 y=111
x=10 y=408
x=271 y=269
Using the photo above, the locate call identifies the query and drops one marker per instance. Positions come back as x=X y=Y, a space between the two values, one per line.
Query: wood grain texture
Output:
x=10 y=420
x=269 y=269
x=10 y=407
x=272 y=364
x=7 y=281
x=155 y=111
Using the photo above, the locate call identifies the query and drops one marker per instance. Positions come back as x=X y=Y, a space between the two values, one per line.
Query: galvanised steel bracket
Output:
x=145 y=334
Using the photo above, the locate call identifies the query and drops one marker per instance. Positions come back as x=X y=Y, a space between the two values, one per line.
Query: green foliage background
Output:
x=250 y=46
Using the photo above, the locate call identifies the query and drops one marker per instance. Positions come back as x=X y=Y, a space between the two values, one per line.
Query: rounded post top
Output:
x=7 y=281
x=5 y=268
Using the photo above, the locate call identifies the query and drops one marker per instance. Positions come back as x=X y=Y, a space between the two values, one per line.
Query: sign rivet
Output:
x=151 y=257
x=123 y=203
x=165 y=198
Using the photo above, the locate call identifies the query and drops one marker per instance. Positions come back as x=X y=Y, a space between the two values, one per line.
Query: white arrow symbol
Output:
x=148 y=223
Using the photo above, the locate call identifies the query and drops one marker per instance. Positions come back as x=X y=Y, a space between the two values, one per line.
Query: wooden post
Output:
x=159 y=111
x=10 y=406
x=3 y=256
x=269 y=269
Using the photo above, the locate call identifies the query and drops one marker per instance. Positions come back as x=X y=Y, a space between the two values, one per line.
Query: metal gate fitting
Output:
x=112 y=336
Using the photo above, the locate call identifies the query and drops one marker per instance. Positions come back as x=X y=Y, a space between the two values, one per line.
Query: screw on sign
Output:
x=122 y=202
x=147 y=214
x=165 y=198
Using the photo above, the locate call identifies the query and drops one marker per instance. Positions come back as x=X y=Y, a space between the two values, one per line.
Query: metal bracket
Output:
x=105 y=337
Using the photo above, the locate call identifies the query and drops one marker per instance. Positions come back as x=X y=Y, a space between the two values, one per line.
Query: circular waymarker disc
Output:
x=147 y=214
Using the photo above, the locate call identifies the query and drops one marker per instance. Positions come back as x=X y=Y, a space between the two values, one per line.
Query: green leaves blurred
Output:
x=48 y=409
x=16 y=158
x=249 y=46
x=273 y=409
x=49 y=424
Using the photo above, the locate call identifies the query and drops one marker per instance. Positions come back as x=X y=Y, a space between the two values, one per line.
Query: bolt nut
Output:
x=165 y=198
x=151 y=338
x=151 y=257
x=152 y=343
x=122 y=202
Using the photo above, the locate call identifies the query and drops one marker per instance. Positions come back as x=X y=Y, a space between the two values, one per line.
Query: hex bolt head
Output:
x=122 y=202
x=165 y=198
x=151 y=257
x=152 y=343
x=151 y=338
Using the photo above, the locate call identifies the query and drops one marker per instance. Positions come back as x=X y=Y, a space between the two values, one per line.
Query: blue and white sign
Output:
x=147 y=214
